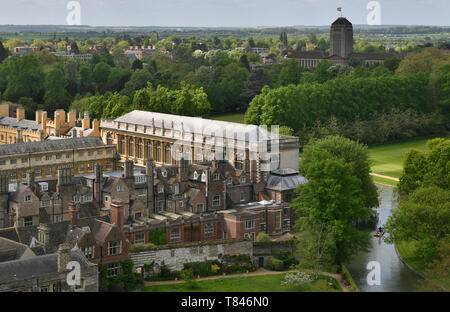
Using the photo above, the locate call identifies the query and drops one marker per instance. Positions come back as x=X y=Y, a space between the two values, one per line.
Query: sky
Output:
x=223 y=13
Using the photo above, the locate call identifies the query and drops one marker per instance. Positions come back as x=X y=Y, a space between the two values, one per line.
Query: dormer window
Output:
x=195 y=175
x=44 y=186
x=140 y=179
x=164 y=173
x=216 y=177
x=203 y=177
x=27 y=199
x=160 y=189
x=120 y=188
x=176 y=188
x=243 y=180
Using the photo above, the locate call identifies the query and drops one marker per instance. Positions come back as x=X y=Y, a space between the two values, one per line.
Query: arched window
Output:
x=149 y=150
x=131 y=147
x=167 y=156
x=158 y=152
x=122 y=145
x=140 y=149
x=109 y=139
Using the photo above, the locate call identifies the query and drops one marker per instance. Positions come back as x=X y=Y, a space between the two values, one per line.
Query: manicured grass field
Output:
x=388 y=159
x=270 y=283
x=236 y=117
x=406 y=249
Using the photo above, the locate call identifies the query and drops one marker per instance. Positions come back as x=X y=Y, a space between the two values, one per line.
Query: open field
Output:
x=235 y=117
x=270 y=283
x=388 y=159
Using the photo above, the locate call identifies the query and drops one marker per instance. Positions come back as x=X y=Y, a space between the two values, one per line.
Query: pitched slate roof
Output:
x=284 y=179
x=50 y=145
x=22 y=269
x=342 y=21
x=21 y=124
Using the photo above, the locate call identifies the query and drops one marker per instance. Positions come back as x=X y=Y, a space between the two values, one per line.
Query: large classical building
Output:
x=141 y=136
x=341 y=49
x=44 y=158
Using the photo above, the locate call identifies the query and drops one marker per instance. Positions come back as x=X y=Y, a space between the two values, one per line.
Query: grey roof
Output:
x=342 y=21
x=23 y=269
x=284 y=179
x=308 y=54
x=188 y=124
x=50 y=145
x=11 y=250
x=22 y=124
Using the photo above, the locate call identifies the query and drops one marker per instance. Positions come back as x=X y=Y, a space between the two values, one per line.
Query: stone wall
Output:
x=266 y=250
x=175 y=257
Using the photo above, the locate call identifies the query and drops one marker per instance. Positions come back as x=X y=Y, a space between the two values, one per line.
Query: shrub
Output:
x=288 y=259
x=275 y=264
x=206 y=268
x=262 y=237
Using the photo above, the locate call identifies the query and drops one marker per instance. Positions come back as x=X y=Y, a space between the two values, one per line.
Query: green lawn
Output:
x=236 y=117
x=270 y=283
x=407 y=249
x=388 y=159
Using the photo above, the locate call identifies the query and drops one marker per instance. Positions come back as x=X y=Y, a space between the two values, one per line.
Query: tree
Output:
x=74 y=48
x=284 y=39
x=137 y=64
x=100 y=74
x=3 y=52
x=138 y=79
x=437 y=272
x=29 y=105
x=424 y=217
x=328 y=206
x=56 y=96
x=24 y=78
x=426 y=168
x=339 y=194
x=13 y=43
x=426 y=61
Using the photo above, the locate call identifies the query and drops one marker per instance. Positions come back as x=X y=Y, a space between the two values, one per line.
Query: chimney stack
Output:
x=98 y=183
x=72 y=118
x=73 y=214
x=74 y=133
x=117 y=214
x=85 y=123
x=19 y=138
x=63 y=257
x=128 y=169
x=20 y=113
x=44 y=123
x=39 y=116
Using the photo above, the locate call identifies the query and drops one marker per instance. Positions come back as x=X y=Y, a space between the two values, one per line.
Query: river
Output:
x=395 y=276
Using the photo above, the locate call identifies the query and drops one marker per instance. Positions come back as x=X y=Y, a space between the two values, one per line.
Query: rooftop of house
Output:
x=49 y=146
x=24 y=124
x=12 y=250
x=34 y=267
x=342 y=21
x=284 y=179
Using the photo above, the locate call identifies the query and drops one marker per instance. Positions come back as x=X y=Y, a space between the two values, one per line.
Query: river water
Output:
x=395 y=276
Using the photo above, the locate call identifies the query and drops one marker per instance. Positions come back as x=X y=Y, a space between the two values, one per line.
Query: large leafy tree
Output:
x=56 y=95
x=3 y=52
x=335 y=197
x=23 y=77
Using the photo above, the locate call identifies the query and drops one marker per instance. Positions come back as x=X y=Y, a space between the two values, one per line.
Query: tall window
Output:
x=167 y=151
x=140 y=149
x=122 y=145
x=113 y=248
x=209 y=229
x=158 y=152
x=109 y=139
x=114 y=269
x=149 y=150
x=88 y=251
x=216 y=200
x=131 y=147
x=175 y=235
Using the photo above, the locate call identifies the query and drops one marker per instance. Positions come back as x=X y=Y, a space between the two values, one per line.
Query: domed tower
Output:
x=341 y=38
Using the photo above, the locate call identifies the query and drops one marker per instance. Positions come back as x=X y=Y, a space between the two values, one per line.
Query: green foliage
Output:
x=287 y=258
x=56 y=96
x=348 y=277
x=424 y=216
x=275 y=264
x=158 y=237
x=338 y=195
x=141 y=247
x=262 y=237
x=426 y=168
x=202 y=268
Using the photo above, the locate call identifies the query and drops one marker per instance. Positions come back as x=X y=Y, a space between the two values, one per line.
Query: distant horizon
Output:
x=223 y=13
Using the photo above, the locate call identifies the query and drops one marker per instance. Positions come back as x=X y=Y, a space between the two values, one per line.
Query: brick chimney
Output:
x=85 y=123
x=73 y=214
x=72 y=118
x=44 y=123
x=98 y=185
x=117 y=214
x=20 y=113
x=63 y=257
x=19 y=138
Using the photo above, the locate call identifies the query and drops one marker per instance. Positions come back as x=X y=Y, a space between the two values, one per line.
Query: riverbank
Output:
x=405 y=252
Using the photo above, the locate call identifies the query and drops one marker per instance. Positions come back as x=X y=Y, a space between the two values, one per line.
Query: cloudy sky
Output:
x=228 y=13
